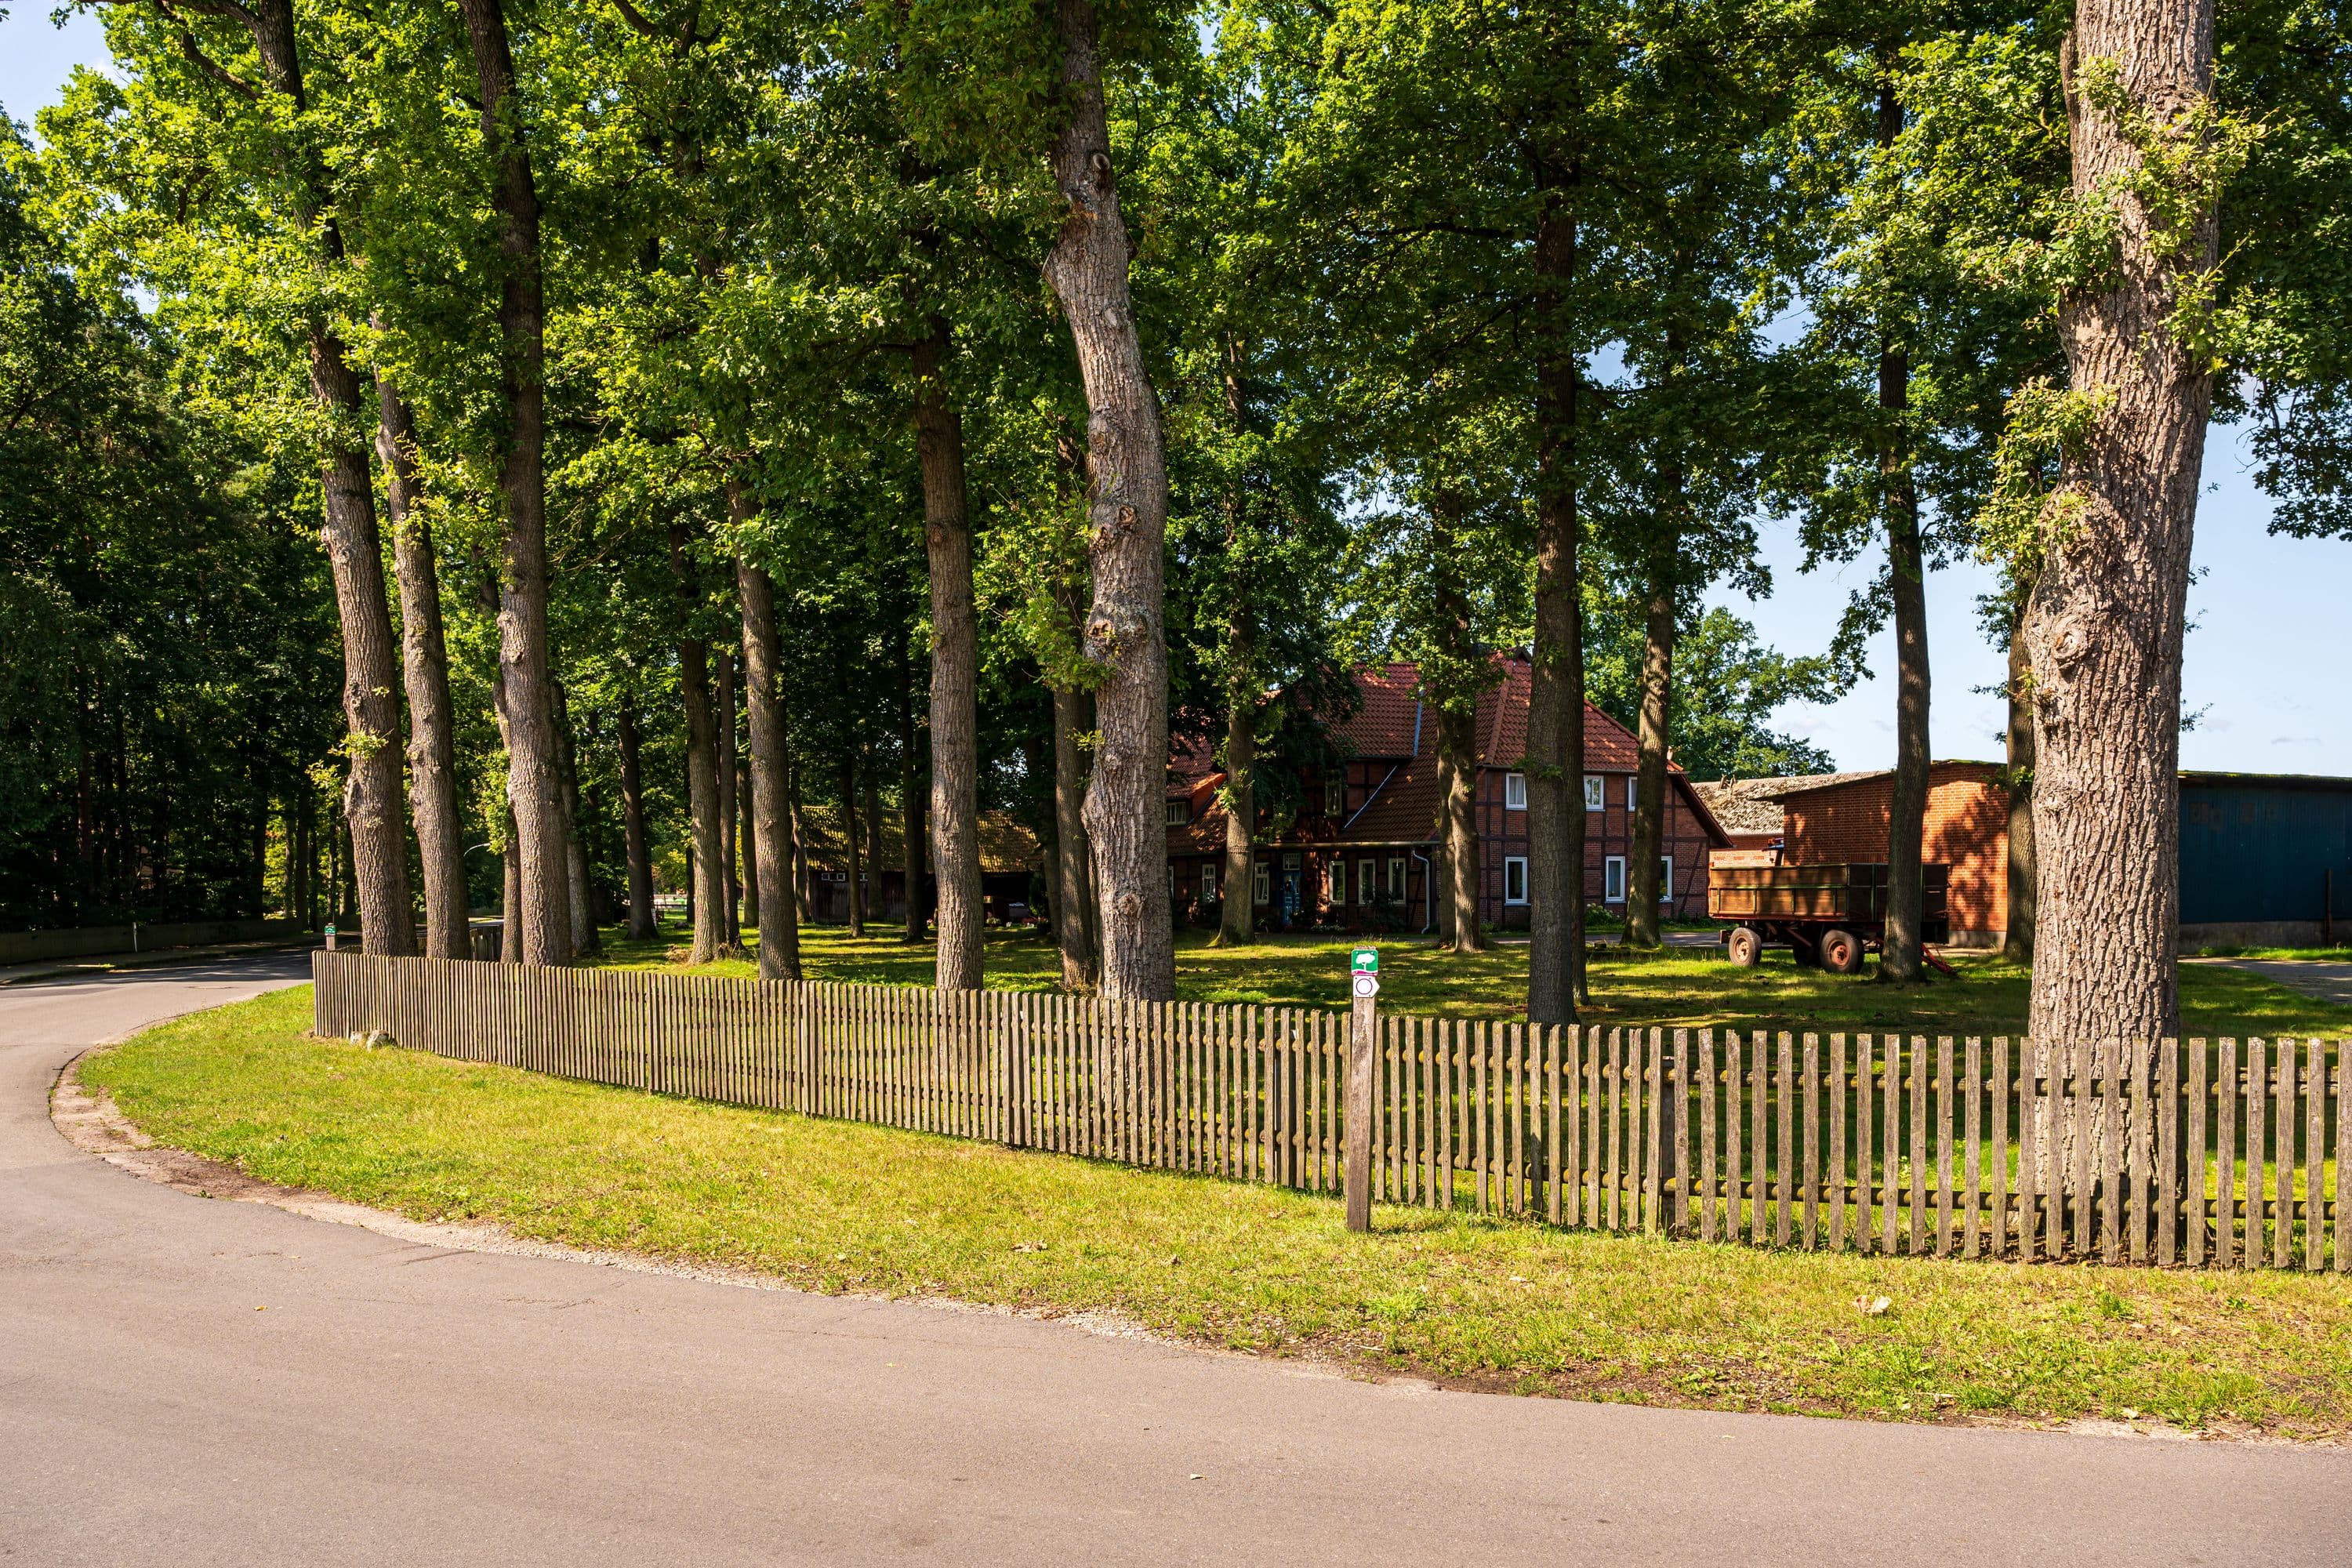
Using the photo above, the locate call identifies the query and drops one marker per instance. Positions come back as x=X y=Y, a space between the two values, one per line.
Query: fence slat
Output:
x=2282 y=1159
x=1760 y=1202
x=2314 y=1154
x=1810 y=1224
x=2258 y=1091
x=2107 y=1064
x=2168 y=1154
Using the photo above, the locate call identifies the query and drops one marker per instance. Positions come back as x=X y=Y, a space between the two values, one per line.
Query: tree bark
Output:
x=1237 y=913
x=2104 y=623
x=772 y=826
x=532 y=783
x=1441 y=864
x=1643 y=892
x=2017 y=940
x=1074 y=902
x=1899 y=959
x=425 y=675
x=955 y=669
x=701 y=765
x=850 y=844
x=1457 y=743
x=722 y=729
x=642 y=925
x=576 y=853
x=913 y=829
x=1556 y=678
x=510 y=895
x=1127 y=486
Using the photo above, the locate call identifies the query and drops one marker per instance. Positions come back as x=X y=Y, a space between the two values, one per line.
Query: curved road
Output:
x=410 y=1404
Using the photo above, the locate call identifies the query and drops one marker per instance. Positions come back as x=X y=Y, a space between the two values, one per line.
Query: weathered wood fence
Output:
x=2232 y=1154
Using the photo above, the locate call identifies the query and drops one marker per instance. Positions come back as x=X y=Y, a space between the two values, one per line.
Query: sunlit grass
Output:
x=837 y=1206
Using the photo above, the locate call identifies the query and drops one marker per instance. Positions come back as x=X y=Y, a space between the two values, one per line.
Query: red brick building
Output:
x=1842 y=816
x=1360 y=855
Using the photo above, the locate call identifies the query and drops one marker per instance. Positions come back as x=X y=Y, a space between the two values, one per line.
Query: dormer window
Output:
x=1335 y=795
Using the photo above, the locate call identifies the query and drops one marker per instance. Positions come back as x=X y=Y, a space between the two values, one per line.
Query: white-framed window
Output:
x=1594 y=785
x=1666 y=879
x=1180 y=811
x=1364 y=881
x=1396 y=877
x=1515 y=879
x=1208 y=881
x=1515 y=791
x=1613 y=879
x=1633 y=791
x=1262 y=882
x=1339 y=880
x=1335 y=794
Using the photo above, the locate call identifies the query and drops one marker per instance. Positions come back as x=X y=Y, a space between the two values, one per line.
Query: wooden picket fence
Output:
x=2236 y=1155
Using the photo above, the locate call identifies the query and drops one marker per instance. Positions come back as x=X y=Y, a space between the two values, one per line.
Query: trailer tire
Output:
x=1744 y=947
x=1841 y=951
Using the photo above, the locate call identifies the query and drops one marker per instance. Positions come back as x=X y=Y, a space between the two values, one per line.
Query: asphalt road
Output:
x=204 y=1381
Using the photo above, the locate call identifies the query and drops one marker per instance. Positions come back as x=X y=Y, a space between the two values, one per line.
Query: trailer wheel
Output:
x=1745 y=947
x=1841 y=951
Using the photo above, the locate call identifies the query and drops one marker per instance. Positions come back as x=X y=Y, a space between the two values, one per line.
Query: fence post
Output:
x=1363 y=1027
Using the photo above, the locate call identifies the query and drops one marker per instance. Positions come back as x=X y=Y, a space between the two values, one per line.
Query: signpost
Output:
x=1363 y=1028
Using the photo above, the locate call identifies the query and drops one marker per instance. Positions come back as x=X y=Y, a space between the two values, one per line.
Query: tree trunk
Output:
x=532 y=783
x=722 y=729
x=850 y=846
x=1127 y=486
x=1237 y=913
x=955 y=669
x=1441 y=867
x=1643 y=892
x=914 y=830
x=778 y=915
x=2017 y=940
x=643 y=926
x=2105 y=623
x=1906 y=564
x=425 y=673
x=372 y=793
x=1457 y=743
x=1556 y=679
x=575 y=852
x=509 y=894
x=701 y=766
x=802 y=894
x=1074 y=902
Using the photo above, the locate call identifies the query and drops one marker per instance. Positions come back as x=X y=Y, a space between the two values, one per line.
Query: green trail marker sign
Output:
x=1366 y=965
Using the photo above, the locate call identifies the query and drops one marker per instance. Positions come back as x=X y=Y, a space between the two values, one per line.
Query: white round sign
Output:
x=1367 y=985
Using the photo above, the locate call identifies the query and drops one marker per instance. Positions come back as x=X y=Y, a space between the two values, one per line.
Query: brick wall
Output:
x=1608 y=832
x=1967 y=828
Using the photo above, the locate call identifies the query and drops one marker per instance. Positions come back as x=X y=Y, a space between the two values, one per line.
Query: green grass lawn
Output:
x=1673 y=986
x=836 y=1206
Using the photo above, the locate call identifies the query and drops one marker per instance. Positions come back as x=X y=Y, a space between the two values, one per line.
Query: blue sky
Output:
x=2270 y=698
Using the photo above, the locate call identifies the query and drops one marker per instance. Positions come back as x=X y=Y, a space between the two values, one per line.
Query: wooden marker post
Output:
x=1363 y=1029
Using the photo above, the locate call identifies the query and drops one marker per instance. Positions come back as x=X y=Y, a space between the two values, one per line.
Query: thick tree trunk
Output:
x=955 y=671
x=1075 y=906
x=2017 y=940
x=1644 y=892
x=1907 y=586
x=372 y=793
x=1556 y=679
x=709 y=898
x=778 y=915
x=425 y=674
x=643 y=926
x=722 y=728
x=533 y=785
x=1127 y=486
x=2104 y=623
x=1440 y=868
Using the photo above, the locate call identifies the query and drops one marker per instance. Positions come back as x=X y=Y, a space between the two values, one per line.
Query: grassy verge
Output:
x=1675 y=986
x=836 y=1206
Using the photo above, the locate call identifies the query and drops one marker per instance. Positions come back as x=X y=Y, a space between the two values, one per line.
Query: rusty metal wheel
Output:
x=1841 y=951
x=1745 y=947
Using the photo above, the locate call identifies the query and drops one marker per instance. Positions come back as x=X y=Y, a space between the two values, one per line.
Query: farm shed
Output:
x=2264 y=860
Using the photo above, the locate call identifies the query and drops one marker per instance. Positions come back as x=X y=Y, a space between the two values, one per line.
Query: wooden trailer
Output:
x=1828 y=915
